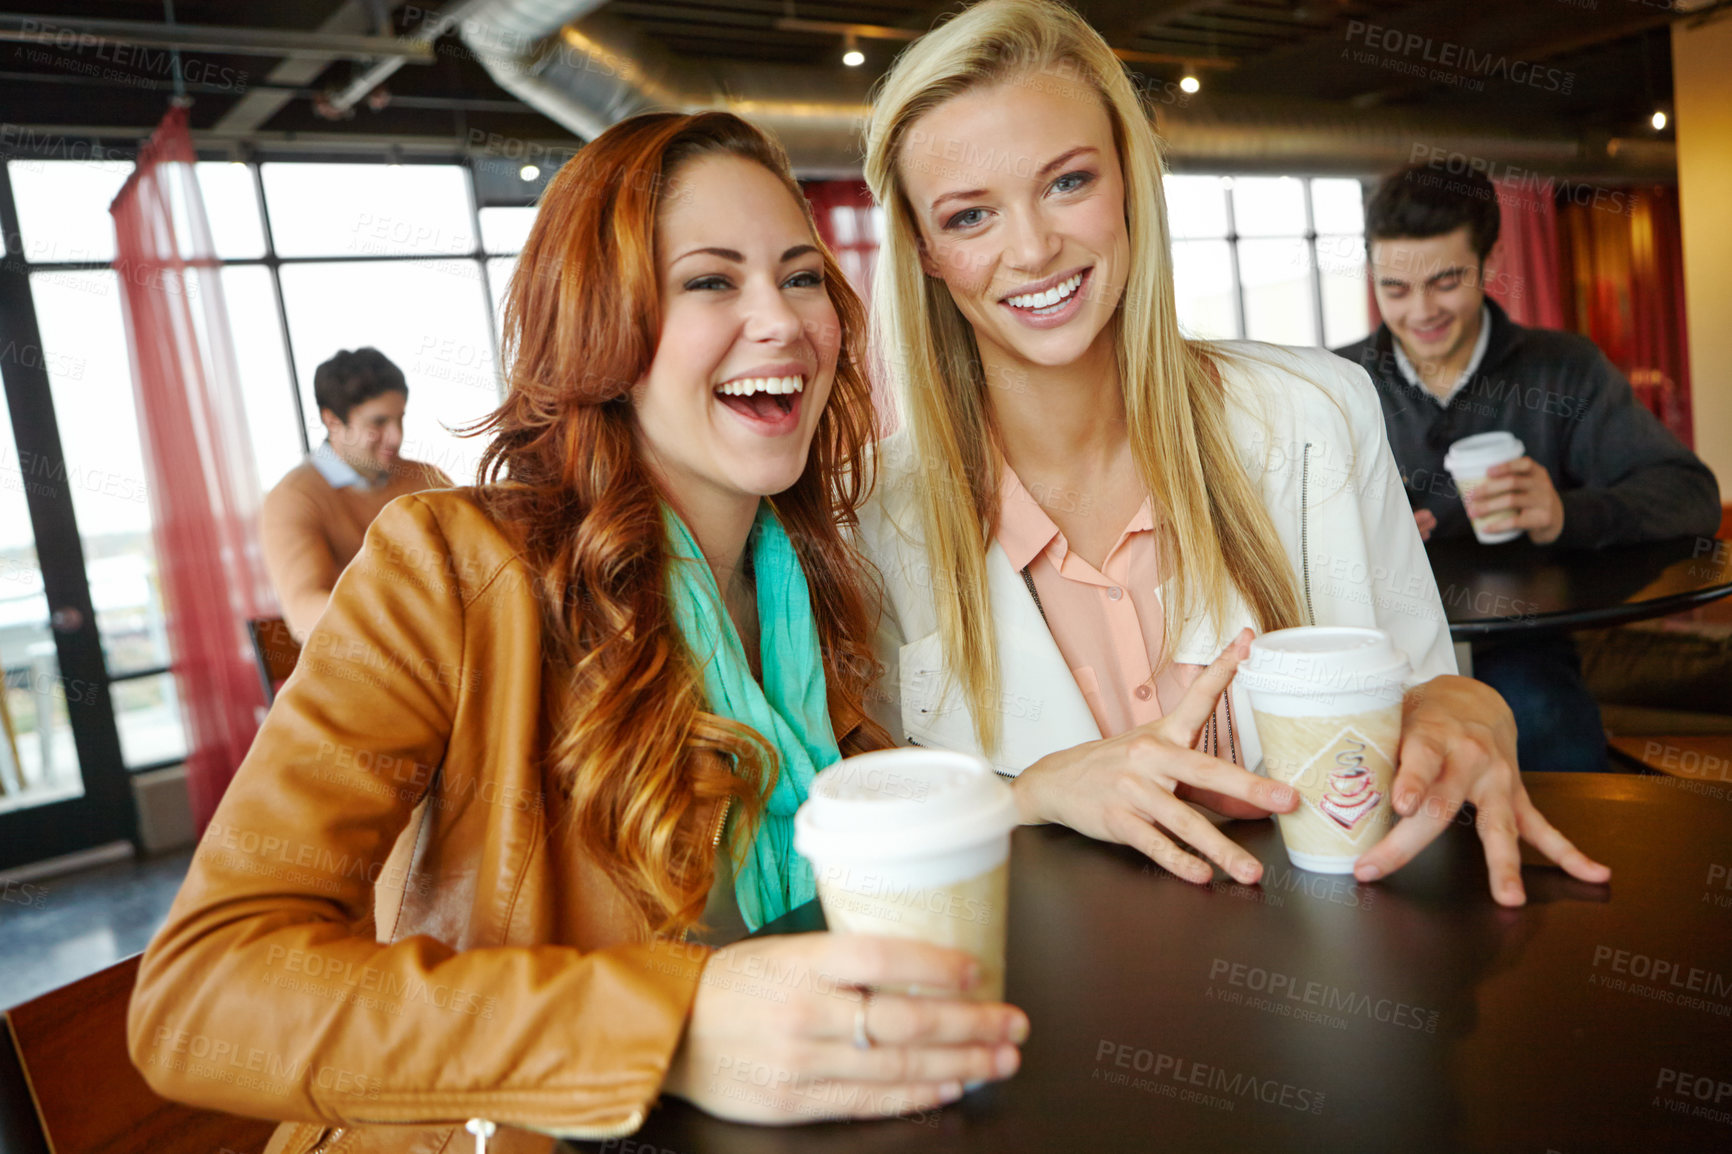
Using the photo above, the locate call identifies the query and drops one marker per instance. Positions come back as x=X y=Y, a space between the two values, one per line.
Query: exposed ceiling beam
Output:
x=284 y=92
x=259 y=105
x=1193 y=60
x=432 y=26
x=335 y=143
x=866 y=31
x=1538 y=52
x=54 y=31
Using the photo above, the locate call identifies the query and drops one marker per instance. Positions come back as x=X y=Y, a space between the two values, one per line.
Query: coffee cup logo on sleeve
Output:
x=1326 y=701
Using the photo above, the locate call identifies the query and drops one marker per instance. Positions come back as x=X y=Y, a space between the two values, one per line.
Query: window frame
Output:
x=274 y=263
x=1310 y=237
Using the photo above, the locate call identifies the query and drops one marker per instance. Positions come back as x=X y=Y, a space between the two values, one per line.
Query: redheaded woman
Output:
x=548 y=738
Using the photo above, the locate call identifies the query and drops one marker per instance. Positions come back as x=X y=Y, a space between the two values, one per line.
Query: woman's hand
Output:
x=1123 y=789
x=1458 y=744
x=771 y=1034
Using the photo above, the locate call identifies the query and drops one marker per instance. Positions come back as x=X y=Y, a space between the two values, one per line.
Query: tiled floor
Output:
x=61 y=929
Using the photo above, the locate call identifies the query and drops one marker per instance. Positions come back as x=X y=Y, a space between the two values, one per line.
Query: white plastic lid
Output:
x=899 y=804
x=1481 y=451
x=1324 y=661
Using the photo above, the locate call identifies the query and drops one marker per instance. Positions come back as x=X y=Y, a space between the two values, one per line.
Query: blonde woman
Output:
x=1087 y=514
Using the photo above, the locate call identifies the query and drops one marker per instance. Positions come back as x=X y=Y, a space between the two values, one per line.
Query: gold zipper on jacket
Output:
x=721 y=820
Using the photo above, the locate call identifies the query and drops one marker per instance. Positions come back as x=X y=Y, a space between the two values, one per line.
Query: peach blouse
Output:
x=1108 y=622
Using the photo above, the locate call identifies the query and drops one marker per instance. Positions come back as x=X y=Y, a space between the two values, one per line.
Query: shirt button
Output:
x=1144 y=693
x=1115 y=593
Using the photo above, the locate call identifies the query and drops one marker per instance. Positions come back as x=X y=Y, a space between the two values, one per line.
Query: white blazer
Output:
x=1310 y=435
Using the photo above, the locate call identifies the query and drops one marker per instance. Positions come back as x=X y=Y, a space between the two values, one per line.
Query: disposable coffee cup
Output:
x=1467 y=462
x=914 y=843
x=1326 y=701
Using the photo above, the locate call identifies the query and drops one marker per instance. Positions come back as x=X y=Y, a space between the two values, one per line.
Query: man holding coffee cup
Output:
x=1502 y=430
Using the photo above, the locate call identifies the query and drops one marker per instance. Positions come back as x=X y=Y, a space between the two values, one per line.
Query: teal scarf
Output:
x=790 y=710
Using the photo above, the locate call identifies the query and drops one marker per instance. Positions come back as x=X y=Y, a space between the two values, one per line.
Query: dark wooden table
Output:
x=1314 y=1014
x=1495 y=590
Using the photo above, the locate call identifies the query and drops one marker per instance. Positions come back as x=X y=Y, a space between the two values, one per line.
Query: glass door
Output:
x=62 y=783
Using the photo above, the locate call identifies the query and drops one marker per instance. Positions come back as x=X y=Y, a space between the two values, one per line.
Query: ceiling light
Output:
x=1190 y=83
x=851 y=54
x=528 y=172
x=1658 y=120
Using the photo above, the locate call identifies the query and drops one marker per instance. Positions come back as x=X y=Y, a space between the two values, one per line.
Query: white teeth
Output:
x=778 y=386
x=1051 y=296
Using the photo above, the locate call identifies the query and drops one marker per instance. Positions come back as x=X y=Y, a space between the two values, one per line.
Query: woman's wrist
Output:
x=1024 y=787
x=677 y=1081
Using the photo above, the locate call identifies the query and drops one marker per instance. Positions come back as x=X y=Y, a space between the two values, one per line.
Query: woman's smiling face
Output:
x=749 y=338
x=1020 y=202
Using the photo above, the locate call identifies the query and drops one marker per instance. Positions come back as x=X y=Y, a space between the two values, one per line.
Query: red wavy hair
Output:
x=637 y=750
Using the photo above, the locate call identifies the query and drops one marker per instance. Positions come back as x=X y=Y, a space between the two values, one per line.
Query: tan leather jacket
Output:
x=386 y=929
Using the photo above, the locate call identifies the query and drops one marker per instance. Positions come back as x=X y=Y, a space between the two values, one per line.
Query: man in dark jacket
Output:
x=1599 y=469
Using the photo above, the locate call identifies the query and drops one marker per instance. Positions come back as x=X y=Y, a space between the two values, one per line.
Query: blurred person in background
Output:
x=315 y=519
x=1599 y=469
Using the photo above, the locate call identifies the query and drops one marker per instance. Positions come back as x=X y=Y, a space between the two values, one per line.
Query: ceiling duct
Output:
x=587 y=70
x=1231 y=134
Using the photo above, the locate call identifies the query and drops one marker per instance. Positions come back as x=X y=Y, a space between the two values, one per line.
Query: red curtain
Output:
x=1522 y=272
x=204 y=492
x=850 y=225
x=1625 y=260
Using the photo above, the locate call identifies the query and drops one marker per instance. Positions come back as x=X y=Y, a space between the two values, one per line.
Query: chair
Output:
x=89 y=1099
x=276 y=651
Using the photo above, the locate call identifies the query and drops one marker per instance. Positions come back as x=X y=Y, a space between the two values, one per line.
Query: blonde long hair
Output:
x=1217 y=537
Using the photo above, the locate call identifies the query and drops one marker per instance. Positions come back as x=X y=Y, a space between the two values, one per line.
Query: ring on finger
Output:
x=862 y=1038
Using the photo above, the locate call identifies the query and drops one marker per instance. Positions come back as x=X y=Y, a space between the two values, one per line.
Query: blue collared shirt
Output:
x=338 y=473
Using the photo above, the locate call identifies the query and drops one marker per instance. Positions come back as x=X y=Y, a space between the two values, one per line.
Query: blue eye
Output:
x=1071 y=181
x=958 y=220
x=805 y=278
x=705 y=283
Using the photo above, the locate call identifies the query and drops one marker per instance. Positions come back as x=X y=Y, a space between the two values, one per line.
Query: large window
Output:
x=318 y=257
x=315 y=258
x=1269 y=258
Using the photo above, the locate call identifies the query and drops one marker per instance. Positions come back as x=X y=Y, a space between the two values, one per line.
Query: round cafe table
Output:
x=1497 y=590
x=1310 y=1013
